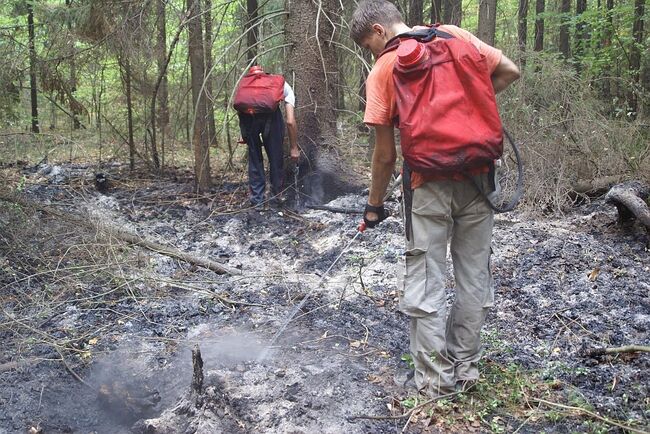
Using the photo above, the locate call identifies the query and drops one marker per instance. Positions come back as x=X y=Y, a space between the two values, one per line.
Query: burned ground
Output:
x=123 y=319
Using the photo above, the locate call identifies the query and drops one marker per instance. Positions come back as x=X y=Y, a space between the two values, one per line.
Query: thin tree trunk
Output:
x=197 y=65
x=74 y=106
x=415 y=12
x=436 y=11
x=607 y=42
x=580 y=34
x=635 y=56
x=163 y=90
x=126 y=77
x=539 y=25
x=253 y=34
x=487 y=11
x=212 y=130
x=453 y=12
x=522 y=29
x=32 y=67
x=565 y=10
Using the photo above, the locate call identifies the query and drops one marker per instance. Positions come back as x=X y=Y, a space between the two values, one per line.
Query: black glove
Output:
x=379 y=210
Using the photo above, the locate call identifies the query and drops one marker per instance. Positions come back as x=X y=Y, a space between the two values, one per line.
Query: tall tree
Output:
x=207 y=18
x=453 y=12
x=200 y=138
x=487 y=12
x=539 y=25
x=565 y=21
x=580 y=33
x=125 y=69
x=436 y=11
x=312 y=57
x=74 y=106
x=253 y=34
x=33 y=91
x=607 y=42
x=635 y=54
x=163 y=88
x=415 y=12
x=522 y=27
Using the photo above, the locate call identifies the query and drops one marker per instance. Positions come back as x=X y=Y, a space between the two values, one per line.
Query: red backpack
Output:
x=259 y=93
x=447 y=112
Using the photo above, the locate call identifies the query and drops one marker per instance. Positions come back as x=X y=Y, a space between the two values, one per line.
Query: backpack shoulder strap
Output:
x=422 y=35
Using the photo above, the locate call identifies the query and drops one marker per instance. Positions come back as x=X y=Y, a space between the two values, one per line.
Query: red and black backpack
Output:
x=259 y=92
x=446 y=107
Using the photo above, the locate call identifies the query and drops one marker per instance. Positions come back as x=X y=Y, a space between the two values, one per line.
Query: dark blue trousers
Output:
x=263 y=130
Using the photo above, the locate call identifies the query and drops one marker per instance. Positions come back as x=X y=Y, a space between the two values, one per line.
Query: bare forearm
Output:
x=383 y=164
x=293 y=135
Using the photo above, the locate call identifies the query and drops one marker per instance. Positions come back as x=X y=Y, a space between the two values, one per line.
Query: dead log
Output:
x=596 y=186
x=112 y=231
x=616 y=350
x=630 y=201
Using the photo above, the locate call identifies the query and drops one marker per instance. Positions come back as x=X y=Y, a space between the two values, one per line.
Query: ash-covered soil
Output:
x=564 y=285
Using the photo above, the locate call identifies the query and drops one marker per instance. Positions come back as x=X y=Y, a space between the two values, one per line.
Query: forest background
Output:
x=150 y=82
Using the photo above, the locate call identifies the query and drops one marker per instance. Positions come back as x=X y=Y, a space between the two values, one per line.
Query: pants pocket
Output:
x=417 y=298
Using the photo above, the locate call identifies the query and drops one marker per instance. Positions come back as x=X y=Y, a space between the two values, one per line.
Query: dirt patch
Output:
x=563 y=285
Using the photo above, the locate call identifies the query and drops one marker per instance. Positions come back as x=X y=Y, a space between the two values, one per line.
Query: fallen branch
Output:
x=590 y=413
x=120 y=234
x=335 y=209
x=616 y=350
x=596 y=186
x=629 y=199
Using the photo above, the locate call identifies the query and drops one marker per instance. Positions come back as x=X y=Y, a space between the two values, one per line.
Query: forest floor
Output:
x=97 y=333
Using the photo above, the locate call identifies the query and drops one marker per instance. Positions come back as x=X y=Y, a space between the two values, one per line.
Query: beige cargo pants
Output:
x=446 y=350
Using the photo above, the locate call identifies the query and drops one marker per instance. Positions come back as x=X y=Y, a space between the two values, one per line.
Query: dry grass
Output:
x=565 y=136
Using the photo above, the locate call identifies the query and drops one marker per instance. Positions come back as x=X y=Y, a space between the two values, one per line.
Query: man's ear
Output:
x=378 y=29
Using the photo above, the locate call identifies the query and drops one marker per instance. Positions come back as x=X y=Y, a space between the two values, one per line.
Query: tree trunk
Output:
x=635 y=55
x=436 y=11
x=522 y=29
x=539 y=25
x=487 y=11
x=197 y=66
x=125 y=67
x=312 y=57
x=209 y=88
x=74 y=105
x=565 y=10
x=580 y=34
x=253 y=33
x=163 y=89
x=607 y=42
x=453 y=12
x=415 y=12
x=32 y=67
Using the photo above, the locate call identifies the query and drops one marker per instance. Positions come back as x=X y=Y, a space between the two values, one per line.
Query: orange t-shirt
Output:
x=381 y=107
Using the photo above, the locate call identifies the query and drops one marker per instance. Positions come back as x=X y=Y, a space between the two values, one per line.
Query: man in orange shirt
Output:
x=445 y=349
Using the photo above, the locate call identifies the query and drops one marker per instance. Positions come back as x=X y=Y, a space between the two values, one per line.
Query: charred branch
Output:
x=630 y=201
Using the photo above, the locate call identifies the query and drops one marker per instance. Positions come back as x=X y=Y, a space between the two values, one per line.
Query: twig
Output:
x=592 y=414
x=71 y=371
x=616 y=350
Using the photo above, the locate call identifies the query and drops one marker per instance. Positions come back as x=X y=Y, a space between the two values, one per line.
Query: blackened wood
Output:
x=630 y=200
